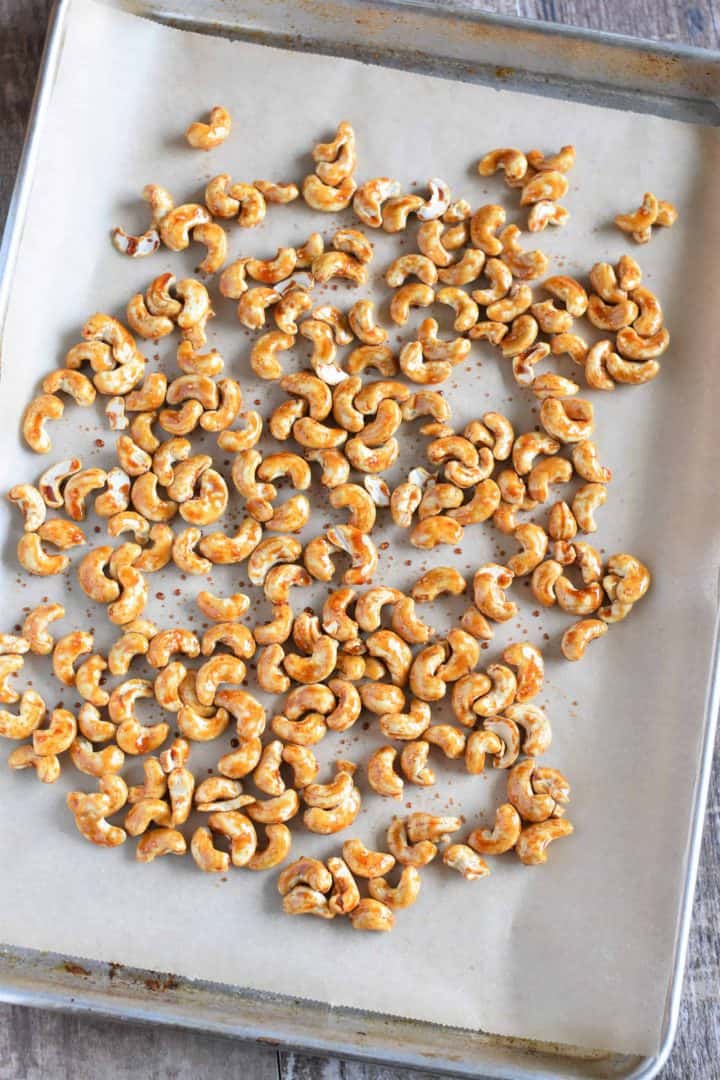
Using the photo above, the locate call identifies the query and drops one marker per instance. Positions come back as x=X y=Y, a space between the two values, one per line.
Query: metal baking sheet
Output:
x=385 y=35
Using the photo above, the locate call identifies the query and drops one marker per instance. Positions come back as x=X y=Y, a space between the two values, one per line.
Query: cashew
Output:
x=277 y=849
x=207 y=136
x=533 y=840
x=372 y=914
x=90 y=811
x=335 y=820
x=462 y=858
x=570 y=420
x=361 y=318
x=368 y=199
x=634 y=577
x=414 y=294
x=47 y=768
x=223 y=550
x=160 y=841
x=413 y=762
x=41 y=409
x=489 y=584
x=411 y=265
x=526 y=448
x=479 y=744
x=407 y=726
x=397 y=210
x=31 y=714
x=381 y=775
x=425 y=682
x=502 y=694
x=334 y=264
x=437 y=582
x=502 y=837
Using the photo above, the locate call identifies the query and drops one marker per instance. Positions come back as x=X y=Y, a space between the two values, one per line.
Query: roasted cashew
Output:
x=489 y=585
x=368 y=199
x=502 y=837
x=90 y=811
x=533 y=840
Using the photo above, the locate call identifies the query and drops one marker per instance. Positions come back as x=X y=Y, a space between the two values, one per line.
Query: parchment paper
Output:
x=577 y=951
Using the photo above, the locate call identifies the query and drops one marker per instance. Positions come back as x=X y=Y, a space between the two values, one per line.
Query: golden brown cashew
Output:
x=32 y=712
x=369 y=198
x=335 y=820
x=533 y=840
x=479 y=744
x=35 y=627
x=489 y=585
x=222 y=549
x=372 y=914
x=397 y=210
x=425 y=683
x=381 y=775
x=161 y=841
x=222 y=668
x=90 y=811
x=466 y=692
x=66 y=652
x=366 y=863
x=502 y=837
x=634 y=577
x=41 y=409
x=437 y=582
x=577 y=637
x=467 y=862
x=317 y=666
x=501 y=695
x=325 y=197
x=207 y=136
x=513 y=163
x=361 y=318
x=530 y=669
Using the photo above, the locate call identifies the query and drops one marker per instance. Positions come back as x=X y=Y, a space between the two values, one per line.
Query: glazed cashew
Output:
x=207 y=136
x=372 y=914
x=90 y=811
x=502 y=837
x=544 y=213
x=467 y=862
x=530 y=669
x=534 y=542
x=327 y=822
x=634 y=577
x=513 y=163
x=533 y=840
x=489 y=585
x=365 y=863
x=41 y=409
x=501 y=694
x=437 y=582
x=33 y=557
x=32 y=712
x=548 y=185
x=479 y=744
x=409 y=853
x=407 y=726
x=361 y=318
x=577 y=637
x=369 y=198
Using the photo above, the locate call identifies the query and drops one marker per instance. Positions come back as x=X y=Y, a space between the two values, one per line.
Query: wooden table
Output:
x=35 y=1044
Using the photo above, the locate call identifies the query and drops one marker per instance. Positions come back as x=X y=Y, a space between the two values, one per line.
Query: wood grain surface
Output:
x=38 y=1044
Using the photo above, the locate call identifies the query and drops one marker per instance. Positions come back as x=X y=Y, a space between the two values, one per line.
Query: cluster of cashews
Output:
x=333 y=665
x=542 y=181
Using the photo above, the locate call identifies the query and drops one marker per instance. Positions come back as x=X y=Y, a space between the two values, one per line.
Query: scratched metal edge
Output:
x=678 y=65
x=25 y=975
x=49 y=980
x=15 y=220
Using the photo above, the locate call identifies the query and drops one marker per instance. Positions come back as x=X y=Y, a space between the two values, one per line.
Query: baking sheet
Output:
x=579 y=951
